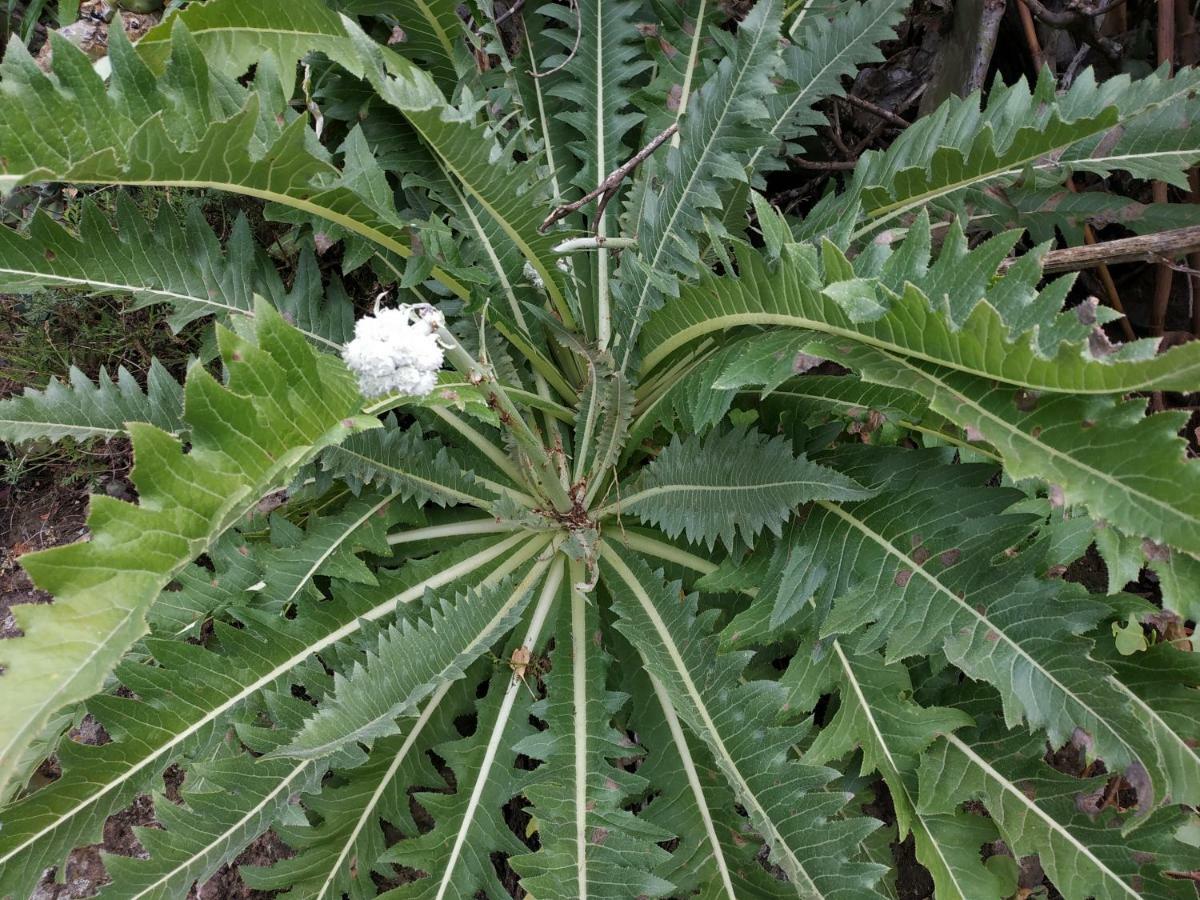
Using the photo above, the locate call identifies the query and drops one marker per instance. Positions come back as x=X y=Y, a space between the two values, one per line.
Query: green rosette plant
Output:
x=639 y=540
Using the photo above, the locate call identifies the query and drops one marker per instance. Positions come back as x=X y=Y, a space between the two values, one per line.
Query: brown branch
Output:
x=509 y=13
x=1075 y=14
x=833 y=165
x=607 y=189
x=1080 y=17
x=1150 y=248
x=876 y=110
x=1031 y=38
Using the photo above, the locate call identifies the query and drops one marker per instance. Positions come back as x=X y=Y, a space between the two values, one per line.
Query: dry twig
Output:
x=876 y=110
x=607 y=189
x=1142 y=248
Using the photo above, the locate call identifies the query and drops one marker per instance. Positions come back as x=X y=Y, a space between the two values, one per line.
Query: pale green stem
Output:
x=657 y=385
x=691 y=770
x=492 y=749
x=804 y=6
x=603 y=303
x=481 y=443
x=451 y=529
x=604 y=480
x=669 y=552
x=595 y=242
x=541 y=404
x=693 y=56
x=366 y=814
x=580 y=645
x=542 y=467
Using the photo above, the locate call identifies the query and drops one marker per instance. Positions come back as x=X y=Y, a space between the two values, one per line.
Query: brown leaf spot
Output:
x=599 y=836
x=322 y=242
x=992 y=635
x=805 y=361
x=674 y=95
x=50 y=255
x=1026 y=401
x=903 y=577
x=1087 y=423
x=1099 y=344
x=1139 y=779
x=1155 y=552
x=950 y=557
x=1110 y=139
x=1081 y=740
x=1090 y=803
x=920 y=555
x=1141 y=857
x=1085 y=312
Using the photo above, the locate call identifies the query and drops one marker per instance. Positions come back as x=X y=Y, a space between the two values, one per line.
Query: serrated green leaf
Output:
x=135 y=132
x=785 y=801
x=913 y=327
x=588 y=842
x=411 y=661
x=283 y=404
x=187 y=701
x=83 y=410
x=1042 y=811
x=722 y=127
x=1083 y=446
x=729 y=485
x=469 y=825
x=877 y=715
